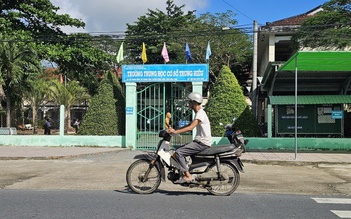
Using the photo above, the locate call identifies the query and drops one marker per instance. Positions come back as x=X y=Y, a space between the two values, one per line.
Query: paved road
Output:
x=57 y=204
x=106 y=171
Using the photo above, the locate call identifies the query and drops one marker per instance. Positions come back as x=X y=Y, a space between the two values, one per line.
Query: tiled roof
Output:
x=295 y=20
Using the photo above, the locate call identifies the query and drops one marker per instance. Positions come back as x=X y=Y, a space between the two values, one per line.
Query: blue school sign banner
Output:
x=165 y=73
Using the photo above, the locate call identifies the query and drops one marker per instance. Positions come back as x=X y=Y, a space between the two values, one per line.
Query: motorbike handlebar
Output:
x=167 y=136
x=175 y=135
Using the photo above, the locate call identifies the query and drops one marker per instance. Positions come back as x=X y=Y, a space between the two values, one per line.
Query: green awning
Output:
x=310 y=99
x=319 y=61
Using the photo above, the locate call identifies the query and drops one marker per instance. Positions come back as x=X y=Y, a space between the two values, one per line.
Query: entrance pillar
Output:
x=197 y=87
x=131 y=115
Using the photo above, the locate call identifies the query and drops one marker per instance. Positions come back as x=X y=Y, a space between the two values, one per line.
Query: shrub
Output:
x=227 y=101
x=247 y=123
x=104 y=115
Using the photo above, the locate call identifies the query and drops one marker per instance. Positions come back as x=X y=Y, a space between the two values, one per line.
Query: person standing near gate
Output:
x=47 y=126
x=76 y=125
x=203 y=138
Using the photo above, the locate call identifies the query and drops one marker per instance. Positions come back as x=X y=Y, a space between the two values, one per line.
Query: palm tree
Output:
x=16 y=62
x=67 y=95
x=36 y=97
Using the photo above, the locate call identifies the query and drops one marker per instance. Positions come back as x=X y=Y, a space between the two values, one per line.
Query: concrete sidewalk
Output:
x=20 y=152
x=32 y=152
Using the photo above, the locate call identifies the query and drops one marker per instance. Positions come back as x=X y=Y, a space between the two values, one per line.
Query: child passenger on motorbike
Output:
x=202 y=139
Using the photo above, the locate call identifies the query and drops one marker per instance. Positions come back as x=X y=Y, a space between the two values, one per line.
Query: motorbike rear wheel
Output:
x=136 y=177
x=229 y=183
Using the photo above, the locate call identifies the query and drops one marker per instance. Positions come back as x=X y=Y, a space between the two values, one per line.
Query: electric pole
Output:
x=254 y=97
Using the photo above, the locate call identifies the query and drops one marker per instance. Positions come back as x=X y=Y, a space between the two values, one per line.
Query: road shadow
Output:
x=126 y=190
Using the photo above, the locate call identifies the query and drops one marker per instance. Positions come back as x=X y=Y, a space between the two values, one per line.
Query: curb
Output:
x=291 y=162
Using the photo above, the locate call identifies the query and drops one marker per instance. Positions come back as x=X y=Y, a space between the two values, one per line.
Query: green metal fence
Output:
x=154 y=101
x=181 y=114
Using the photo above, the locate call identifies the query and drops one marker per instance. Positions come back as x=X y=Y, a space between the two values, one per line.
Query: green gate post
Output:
x=197 y=87
x=131 y=115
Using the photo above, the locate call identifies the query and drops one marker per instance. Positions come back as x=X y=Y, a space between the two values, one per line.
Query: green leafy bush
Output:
x=106 y=110
x=226 y=102
x=247 y=123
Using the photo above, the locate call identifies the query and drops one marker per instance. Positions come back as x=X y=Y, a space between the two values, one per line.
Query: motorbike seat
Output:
x=216 y=150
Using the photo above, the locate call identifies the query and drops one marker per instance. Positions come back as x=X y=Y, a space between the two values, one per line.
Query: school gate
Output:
x=154 y=101
x=160 y=89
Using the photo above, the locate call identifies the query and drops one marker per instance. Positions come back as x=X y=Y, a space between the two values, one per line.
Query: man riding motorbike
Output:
x=202 y=139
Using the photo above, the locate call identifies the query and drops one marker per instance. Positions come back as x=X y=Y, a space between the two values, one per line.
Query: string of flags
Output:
x=164 y=53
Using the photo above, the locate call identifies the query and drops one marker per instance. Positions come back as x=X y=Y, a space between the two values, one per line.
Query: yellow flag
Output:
x=143 y=54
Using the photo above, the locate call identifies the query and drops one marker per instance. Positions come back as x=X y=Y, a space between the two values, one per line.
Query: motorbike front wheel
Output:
x=229 y=181
x=137 y=181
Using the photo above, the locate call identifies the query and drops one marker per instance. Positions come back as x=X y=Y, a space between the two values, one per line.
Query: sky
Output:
x=111 y=16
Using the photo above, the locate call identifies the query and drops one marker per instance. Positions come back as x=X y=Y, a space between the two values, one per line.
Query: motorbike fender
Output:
x=237 y=163
x=149 y=157
x=158 y=164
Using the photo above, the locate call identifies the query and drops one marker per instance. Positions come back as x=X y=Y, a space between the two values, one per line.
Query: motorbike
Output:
x=235 y=136
x=216 y=169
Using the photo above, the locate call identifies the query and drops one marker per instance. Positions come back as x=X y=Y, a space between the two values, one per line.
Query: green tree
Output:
x=229 y=46
x=328 y=29
x=75 y=55
x=155 y=28
x=226 y=102
x=39 y=18
x=68 y=95
x=17 y=62
x=78 y=59
x=103 y=116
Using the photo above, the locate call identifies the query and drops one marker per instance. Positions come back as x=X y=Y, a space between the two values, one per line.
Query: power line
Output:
x=237 y=10
x=121 y=36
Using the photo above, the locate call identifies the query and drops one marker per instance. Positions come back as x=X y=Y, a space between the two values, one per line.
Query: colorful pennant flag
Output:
x=61 y=79
x=164 y=53
x=208 y=51
x=119 y=57
x=143 y=54
x=187 y=53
